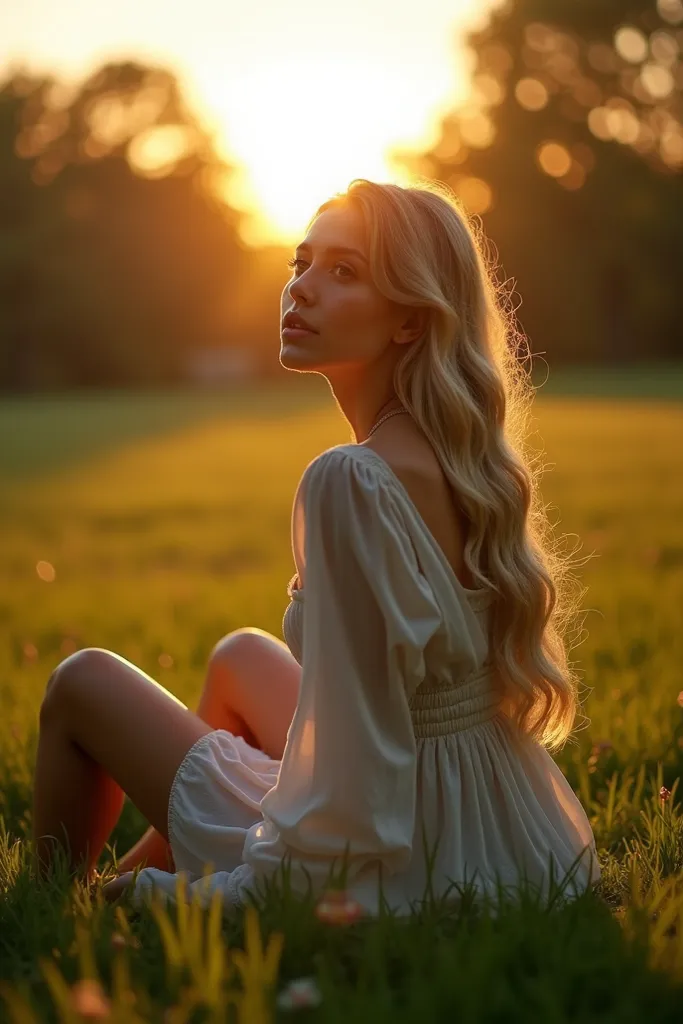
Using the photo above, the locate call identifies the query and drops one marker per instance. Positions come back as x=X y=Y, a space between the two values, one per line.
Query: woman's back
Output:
x=415 y=464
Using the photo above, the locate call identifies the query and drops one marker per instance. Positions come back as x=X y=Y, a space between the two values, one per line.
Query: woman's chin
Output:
x=293 y=358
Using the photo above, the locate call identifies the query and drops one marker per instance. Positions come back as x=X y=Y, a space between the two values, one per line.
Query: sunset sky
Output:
x=304 y=96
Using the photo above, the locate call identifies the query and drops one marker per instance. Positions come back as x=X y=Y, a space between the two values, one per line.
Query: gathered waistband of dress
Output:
x=440 y=710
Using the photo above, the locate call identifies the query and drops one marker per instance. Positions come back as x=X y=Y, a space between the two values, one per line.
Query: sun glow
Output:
x=299 y=99
x=299 y=138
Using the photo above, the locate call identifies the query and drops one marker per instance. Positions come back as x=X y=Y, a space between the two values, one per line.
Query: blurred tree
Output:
x=118 y=254
x=571 y=150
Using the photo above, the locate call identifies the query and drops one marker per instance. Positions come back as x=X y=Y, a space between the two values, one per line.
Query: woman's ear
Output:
x=413 y=327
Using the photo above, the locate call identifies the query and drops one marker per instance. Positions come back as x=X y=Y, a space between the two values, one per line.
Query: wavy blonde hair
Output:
x=468 y=391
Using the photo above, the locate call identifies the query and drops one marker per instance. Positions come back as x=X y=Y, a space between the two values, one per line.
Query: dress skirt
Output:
x=214 y=799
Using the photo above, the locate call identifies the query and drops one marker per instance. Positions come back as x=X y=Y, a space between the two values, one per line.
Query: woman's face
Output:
x=334 y=293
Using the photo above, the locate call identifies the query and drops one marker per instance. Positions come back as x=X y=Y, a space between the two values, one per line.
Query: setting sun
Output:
x=301 y=136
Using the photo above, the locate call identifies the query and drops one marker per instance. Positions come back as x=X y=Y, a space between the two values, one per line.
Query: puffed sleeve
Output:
x=348 y=773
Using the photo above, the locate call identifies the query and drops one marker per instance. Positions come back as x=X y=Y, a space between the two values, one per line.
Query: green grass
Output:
x=174 y=510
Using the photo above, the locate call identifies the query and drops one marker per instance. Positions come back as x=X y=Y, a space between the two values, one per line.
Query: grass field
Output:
x=173 y=511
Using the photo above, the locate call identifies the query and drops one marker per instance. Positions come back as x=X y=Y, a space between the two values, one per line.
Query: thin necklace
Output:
x=394 y=412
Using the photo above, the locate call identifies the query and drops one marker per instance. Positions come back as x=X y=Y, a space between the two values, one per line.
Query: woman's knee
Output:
x=74 y=670
x=244 y=652
x=260 y=680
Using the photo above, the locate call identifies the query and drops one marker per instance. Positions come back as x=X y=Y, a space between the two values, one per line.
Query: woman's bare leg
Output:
x=106 y=728
x=251 y=689
x=152 y=850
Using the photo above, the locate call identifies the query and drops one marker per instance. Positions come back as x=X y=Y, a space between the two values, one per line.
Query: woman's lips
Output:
x=292 y=333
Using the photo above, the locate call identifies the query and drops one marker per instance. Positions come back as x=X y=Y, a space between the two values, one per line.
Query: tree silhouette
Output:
x=118 y=254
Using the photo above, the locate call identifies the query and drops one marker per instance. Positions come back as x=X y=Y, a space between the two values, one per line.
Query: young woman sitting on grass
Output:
x=424 y=681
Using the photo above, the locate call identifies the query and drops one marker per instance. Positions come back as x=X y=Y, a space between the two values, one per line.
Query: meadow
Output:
x=153 y=525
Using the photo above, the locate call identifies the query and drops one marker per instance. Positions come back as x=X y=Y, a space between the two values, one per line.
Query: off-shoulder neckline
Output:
x=475 y=595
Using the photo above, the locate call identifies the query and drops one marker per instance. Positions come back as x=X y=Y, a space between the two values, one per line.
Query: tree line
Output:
x=120 y=257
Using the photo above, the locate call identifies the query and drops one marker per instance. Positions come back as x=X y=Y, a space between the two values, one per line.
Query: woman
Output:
x=425 y=678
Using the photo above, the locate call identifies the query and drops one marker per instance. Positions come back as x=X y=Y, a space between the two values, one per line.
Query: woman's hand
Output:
x=112 y=890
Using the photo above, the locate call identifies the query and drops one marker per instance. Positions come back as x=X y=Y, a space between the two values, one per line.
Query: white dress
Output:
x=397 y=749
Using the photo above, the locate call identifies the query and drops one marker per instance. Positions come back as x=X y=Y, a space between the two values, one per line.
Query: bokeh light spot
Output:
x=671 y=147
x=671 y=11
x=475 y=193
x=664 y=47
x=574 y=178
x=631 y=44
x=488 y=89
x=563 y=67
x=540 y=37
x=496 y=58
x=598 y=123
x=554 y=159
x=658 y=80
x=531 y=94
x=478 y=131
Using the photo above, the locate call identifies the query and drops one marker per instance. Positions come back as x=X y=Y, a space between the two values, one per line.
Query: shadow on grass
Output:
x=48 y=432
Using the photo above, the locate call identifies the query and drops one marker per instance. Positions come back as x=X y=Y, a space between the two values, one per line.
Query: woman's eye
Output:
x=347 y=269
x=294 y=263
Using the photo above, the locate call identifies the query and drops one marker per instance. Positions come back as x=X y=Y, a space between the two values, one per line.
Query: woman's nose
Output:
x=297 y=289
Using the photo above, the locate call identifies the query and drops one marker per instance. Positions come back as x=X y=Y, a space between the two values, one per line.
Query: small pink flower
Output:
x=664 y=794
x=337 y=907
x=303 y=992
x=679 y=699
x=120 y=941
x=89 y=999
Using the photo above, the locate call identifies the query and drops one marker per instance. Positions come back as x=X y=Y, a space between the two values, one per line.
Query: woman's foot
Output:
x=112 y=890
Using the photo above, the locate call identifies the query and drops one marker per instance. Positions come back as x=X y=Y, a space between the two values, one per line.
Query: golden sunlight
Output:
x=297 y=139
x=299 y=100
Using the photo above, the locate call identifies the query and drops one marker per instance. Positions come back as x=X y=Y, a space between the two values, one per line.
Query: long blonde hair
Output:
x=466 y=387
